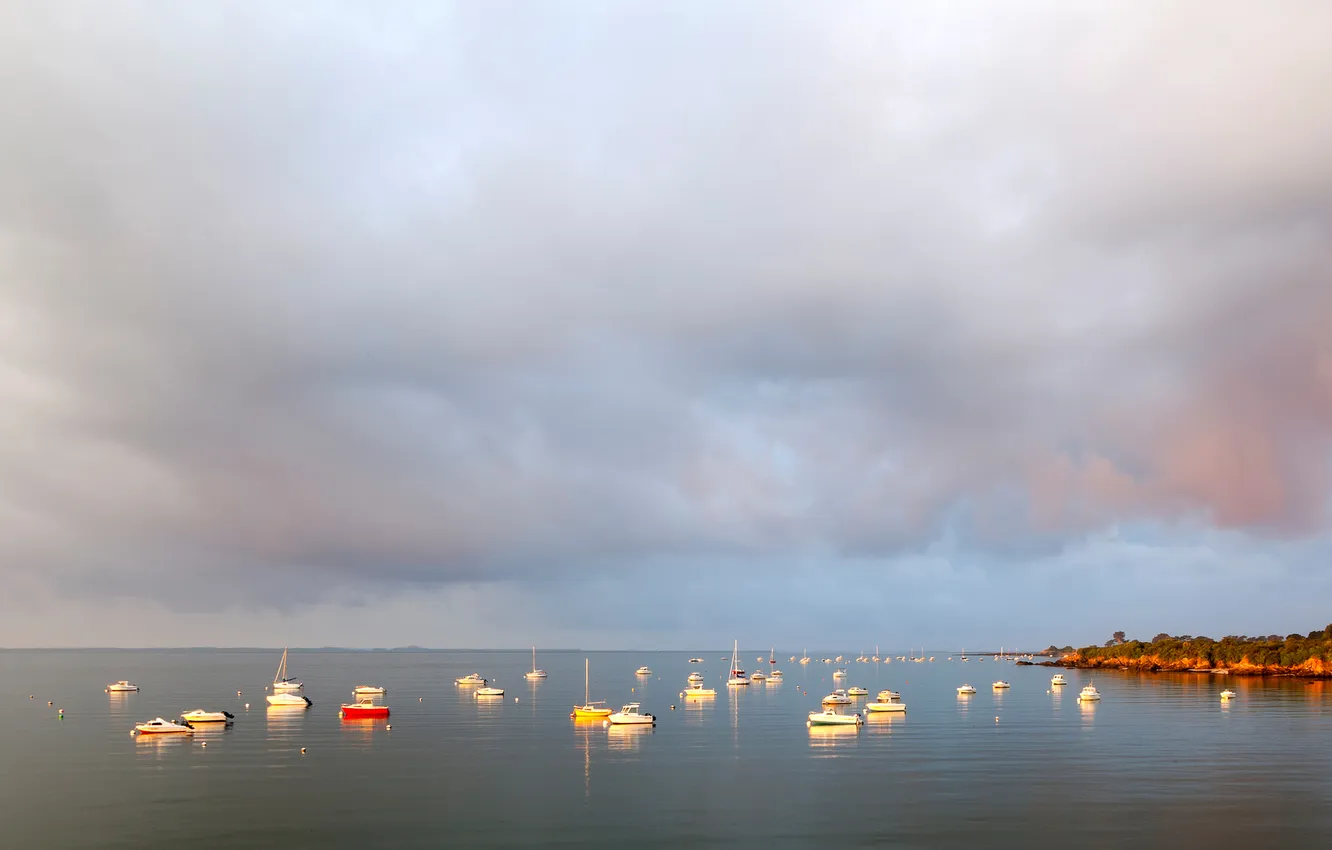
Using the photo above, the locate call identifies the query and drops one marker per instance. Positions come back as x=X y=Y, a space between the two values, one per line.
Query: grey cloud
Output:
x=327 y=297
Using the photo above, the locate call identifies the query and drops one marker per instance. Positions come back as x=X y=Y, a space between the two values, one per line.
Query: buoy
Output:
x=302 y=750
x=48 y=702
x=388 y=728
x=996 y=720
x=204 y=744
x=61 y=712
x=420 y=699
x=605 y=724
x=672 y=708
x=29 y=696
x=238 y=693
x=515 y=699
x=247 y=706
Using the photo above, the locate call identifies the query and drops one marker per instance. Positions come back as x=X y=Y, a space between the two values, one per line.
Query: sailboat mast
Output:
x=586 y=693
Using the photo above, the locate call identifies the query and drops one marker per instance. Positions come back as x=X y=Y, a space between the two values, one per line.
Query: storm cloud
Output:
x=346 y=302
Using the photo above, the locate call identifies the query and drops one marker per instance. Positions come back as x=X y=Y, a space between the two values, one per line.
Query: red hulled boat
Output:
x=364 y=708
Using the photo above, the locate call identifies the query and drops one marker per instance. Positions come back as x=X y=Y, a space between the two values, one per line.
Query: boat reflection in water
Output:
x=881 y=722
x=832 y=737
x=285 y=721
x=627 y=737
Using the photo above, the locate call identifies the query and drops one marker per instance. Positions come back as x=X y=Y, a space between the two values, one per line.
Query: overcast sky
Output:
x=656 y=325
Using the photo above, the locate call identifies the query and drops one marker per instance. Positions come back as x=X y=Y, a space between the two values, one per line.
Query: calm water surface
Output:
x=1159 y=762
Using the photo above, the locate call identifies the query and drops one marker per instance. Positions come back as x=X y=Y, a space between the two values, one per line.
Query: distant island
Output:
x=1272 y=655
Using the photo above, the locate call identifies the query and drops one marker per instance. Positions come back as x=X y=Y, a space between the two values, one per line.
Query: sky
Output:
x=663 y=324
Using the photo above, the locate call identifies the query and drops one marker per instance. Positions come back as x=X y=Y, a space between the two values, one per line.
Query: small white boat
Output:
x=1228 y=694
x=288 y=700
x=471 y=679
x=829 y=717
x=839 y=674
x=643 y=671
x=696 y=661
x=695 y=676
x=283 y=681
x=201 y=716
x=857 y=691
x=966 y=689
x=1058 y=679
x=489 y=692
x=837 y=697
x=696 y=691
x=1001 y=685
x=1089 y=694
x=121 y=687
x=775 y=676
x=630 y=715
x=757 y=676
x=887 y=701
x=163 y=727
x=367 y=690
x=534 y=673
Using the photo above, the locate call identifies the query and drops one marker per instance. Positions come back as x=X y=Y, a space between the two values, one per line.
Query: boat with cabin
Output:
x=830 y=717
x=631 y=714
x=163 y=727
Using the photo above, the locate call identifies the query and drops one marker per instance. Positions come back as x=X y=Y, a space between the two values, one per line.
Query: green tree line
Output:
x=1270 y=650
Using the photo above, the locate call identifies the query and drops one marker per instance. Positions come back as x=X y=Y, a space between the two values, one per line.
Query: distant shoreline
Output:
x=1313 y=669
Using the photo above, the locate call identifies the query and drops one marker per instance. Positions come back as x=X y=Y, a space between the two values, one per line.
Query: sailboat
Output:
x=282 y=682
x=738 y=676
x=534 y=673
x=589 y=709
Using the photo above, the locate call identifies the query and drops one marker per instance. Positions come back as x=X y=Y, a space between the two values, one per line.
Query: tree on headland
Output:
x=1118 y=637
x=1162 y=636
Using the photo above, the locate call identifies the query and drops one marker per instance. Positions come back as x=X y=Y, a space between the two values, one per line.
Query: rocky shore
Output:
x=1312 y=668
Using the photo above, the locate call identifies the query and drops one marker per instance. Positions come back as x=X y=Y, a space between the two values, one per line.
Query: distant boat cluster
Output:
x=287 y=692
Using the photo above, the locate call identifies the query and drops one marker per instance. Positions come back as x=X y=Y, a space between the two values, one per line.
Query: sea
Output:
x=1160 y=761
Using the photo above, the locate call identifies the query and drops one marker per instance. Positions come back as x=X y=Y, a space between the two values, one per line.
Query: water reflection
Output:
x=627 y=737
x=284 y=721
x=831 y=737
x=881 y=722
x=1088 y=710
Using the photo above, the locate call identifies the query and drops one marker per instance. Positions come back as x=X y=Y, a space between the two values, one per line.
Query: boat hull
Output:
x=354 y=711
x=885 y=706
x=591 y=713
x=207 y=717
x=289 y=700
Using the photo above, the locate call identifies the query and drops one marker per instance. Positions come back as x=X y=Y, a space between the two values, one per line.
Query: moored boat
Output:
x=697 y=691
x=737 y=676
x=694 y=677
x=829 y=717
x=696 y=661
x=966 y=689
x=470 y=679
x=631 y=715
x=488 y=691
x=283 y=681
x=121 y=687
x=163 y=727
x=643 y=671
x=1058 y=679
x=887 y=701
x=857 y=691
x=1089 y=694
x=589 y=710
x=534 y=673
x=837 y=697
x=1001 y=685
x=292 y=700
x=364 y=707
x=368 y=690
x=201 y=716
x=1228 y=694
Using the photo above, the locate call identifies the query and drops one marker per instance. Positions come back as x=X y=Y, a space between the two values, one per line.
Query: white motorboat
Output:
x=1228 y=694
x=775 y=676
x=757 y=676
x=201 y=716
x=163 y=727
x=121 y=687
x=830 y=717
x=534 y=673
x=696 y=691
x=695 y=677
x=839 y=674
x=288 y=700
x=1001 y=685
x=367 y=691
x=966 y=689
x=471 y=679
x=489 y=692
x=643 y=671
x=887 y=701
x=696 y=661
x=1089 y=694
x=630 y=715
x=1058 y=679
x=737 y=676
x=283 y=681
x=837 y=697
x=857 y=691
